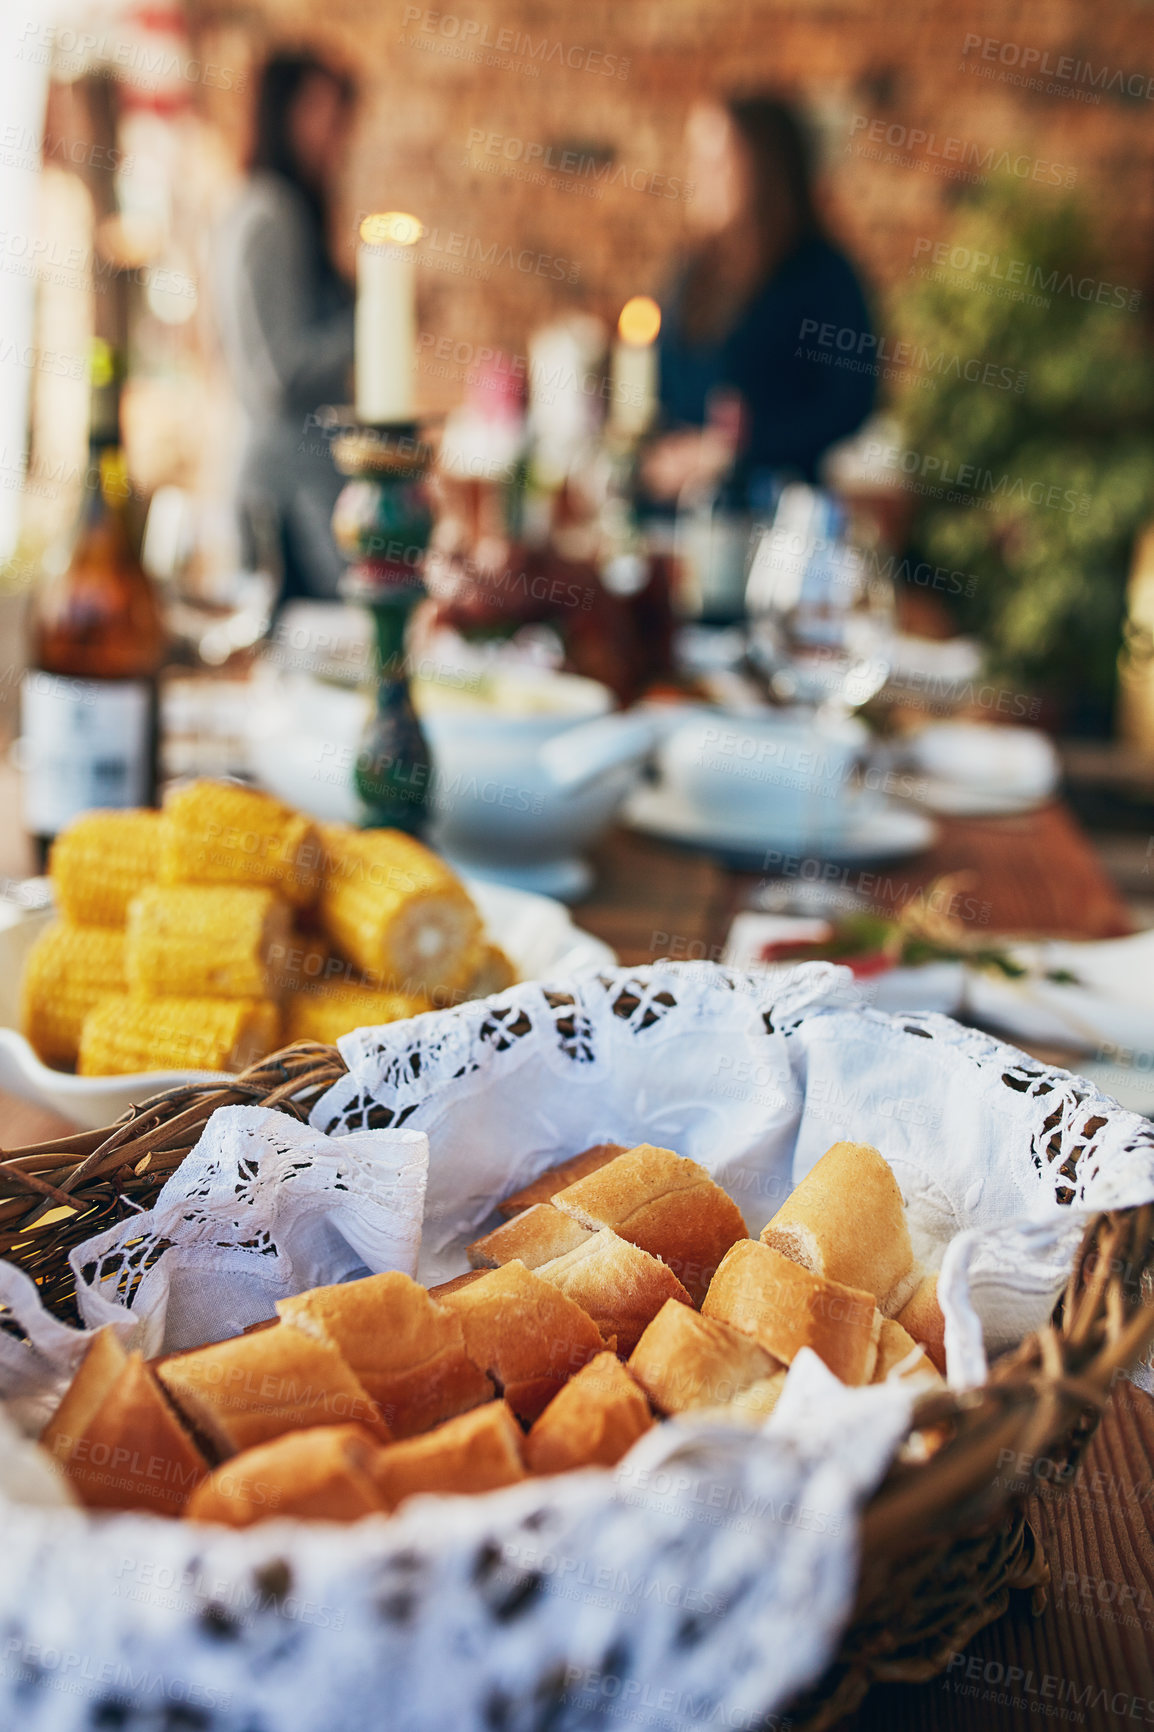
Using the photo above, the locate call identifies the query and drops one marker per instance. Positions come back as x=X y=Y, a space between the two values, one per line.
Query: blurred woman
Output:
x=286 y=313
x=750 y=330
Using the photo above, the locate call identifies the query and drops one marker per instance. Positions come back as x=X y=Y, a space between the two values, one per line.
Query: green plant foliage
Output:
x=1064 y=465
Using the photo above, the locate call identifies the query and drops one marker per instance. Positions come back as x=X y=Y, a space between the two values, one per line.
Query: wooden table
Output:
x=1034 y=874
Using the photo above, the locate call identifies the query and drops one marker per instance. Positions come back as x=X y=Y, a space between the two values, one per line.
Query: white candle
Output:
x=633 y=369
x=386 y=318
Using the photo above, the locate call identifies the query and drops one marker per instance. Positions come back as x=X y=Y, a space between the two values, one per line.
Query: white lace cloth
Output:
x=708 y=1579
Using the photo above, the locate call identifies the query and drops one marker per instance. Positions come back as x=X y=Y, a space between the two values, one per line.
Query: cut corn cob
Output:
x=204 y=941
x=100 y=863
x=324 y=1013
x=124 y=1034
x=69 y=970
x=222 y=833
x=494 y=973
x=303 y=960
x=397 y=911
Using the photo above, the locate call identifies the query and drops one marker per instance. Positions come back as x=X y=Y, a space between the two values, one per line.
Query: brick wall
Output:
x=909 y=101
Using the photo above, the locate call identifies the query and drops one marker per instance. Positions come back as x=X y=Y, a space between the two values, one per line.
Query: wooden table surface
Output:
x=1032 y=874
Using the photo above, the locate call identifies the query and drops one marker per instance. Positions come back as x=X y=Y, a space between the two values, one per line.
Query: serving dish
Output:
x=536 y=932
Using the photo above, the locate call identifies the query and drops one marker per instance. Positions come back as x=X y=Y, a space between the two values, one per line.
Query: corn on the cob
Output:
x=222 y=833
x=69 y=970
x=203 y=941
x=494 y=973
x=303 y=960
x=124 y=1034
x=397 y=911
x=324 y=1013
x=100 y=863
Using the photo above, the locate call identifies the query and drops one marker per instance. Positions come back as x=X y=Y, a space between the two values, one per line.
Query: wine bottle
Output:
x=90 y=697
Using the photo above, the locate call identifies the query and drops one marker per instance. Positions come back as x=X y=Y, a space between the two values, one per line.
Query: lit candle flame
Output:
x=391 y=228
x=640 y=321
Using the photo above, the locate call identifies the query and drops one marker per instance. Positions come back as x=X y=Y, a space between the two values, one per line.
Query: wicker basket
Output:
x=943 y=1541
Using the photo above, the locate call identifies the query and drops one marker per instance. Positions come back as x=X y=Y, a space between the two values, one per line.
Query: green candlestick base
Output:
x=382 y=522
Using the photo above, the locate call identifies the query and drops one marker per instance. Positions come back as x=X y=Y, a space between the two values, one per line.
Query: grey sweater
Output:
x=286 y=327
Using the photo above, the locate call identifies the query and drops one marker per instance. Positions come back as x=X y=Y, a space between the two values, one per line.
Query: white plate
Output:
x=956 y=800
x=886 y=833
x=537 y=934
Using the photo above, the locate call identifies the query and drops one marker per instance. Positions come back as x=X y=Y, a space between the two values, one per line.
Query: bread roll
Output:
x=785 y=1308
x=317 y=1475
x=846 y=1221
x=480 y=1451
x=750 y=1406
x=525 y=1333
x=256 y=1387
x=593 y=1422
x=620 y=1286
x=900 y=1356
x=128 y=1450
x=542 y=1189
x=668 y=1206
x=94 y=1378
x=685 y=1361
x=407 y=1351
x=533 y=1237
x=921 y=1317
x=454 y=1286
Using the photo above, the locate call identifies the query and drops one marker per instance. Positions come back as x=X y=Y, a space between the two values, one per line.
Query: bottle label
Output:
x=85 y=743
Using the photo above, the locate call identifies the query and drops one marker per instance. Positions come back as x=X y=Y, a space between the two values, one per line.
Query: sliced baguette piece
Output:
x=666 y=1205
x=253 y=1388
x=407 y=1351
x=317 y=1475
x=94 y=1378
x=846 y=1221
x=921 y=1317
x=749 y=1406
x=455 y=1284
x=479 y=1451
x=526 y=1334
x=542 y=1189
x=685 y=1361
x=592 y=1422
x=132 y=1452
x=900 y=1356
x=620 y=1286
x=785 y=1308
x=533 y=1237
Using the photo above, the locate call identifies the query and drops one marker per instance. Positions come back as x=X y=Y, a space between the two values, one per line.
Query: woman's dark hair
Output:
x=281 y=82
x=726 y=273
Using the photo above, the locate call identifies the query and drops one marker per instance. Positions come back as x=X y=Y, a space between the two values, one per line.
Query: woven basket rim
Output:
x=1041 y=1400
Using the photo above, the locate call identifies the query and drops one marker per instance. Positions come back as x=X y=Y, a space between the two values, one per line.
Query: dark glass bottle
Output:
x=90 y=700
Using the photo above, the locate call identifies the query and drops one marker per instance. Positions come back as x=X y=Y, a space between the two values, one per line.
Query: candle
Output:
x=386 y=318
x=633 y=371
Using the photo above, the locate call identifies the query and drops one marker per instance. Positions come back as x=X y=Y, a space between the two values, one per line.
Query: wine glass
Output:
x=821 y=612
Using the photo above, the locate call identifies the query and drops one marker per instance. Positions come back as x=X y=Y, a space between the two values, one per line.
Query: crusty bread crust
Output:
x=667 y=1205
x=315 y=1475
x=95 y=1378
x=133 y=1453
x=900 y=1356
x=785 y=1308
x=592 y=1422
x=256 y=1387
x=533 y=1237
x=619 y=1285
x=542 y=1189
x=480 y=1451
x=685 y=1361
x=846 y=1221
x=921 y=1316
x=407 y=1351
x=524 y=1333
